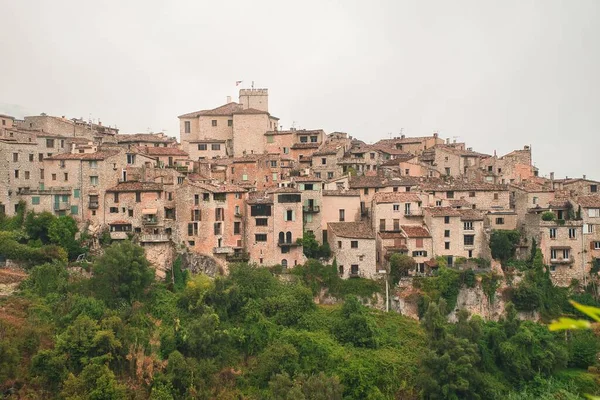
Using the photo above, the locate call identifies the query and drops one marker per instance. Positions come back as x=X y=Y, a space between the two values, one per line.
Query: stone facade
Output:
x=353 y=246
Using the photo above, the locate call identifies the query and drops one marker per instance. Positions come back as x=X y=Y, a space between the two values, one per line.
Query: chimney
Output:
x=447 y=140
x=402 y=136
x=525 y=147
x=583 y=176
x=435 y=135
x=228 y=99
x=469 y=149
x=551 y=176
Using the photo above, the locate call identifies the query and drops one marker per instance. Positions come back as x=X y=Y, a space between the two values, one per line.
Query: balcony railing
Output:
x=238 y=257
x=93 y=205
x=413 y=213
x=291 y=244
x=223 y=250
x=154 y=238
x=150 y=221
x=561 y=260
x=311 y=209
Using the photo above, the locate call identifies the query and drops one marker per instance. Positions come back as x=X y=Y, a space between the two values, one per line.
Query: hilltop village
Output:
x=239 y=188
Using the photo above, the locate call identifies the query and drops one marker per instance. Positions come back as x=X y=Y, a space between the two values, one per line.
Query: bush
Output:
x=548 y=216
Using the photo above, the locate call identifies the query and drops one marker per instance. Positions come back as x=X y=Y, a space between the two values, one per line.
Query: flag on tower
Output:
x=237 y=83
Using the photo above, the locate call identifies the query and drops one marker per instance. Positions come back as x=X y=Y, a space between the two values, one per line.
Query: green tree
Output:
x=400 y=265
x=312 y=248
x=356 y=326
x=62 y=231
x=122 y=273
x=503 y=244
x=37 y=226
x=96 y=382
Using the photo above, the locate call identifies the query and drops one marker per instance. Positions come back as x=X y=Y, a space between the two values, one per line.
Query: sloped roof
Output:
x=99 y=155
x=133 y=186
x=590 y=201
x=345 y=193
x=259 y=197
x=353 y=230
x=415 y=231
x=224 y=110
x=163 y=151
x=143 y=137
x=396 y=197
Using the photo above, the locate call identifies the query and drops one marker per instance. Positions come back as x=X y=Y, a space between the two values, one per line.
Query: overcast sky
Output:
x=496 y=74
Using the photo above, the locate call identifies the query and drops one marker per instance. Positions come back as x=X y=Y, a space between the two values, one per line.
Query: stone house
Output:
x=390 y=210
x=325 y=160
x=529 y=195
x=577 y=186
x=312 y=201
x=338 y=206
x=414 y=145
x=588 y=209
x=294 y=143
x=452 y=160
x=514 y=167
x=146 y=140
x=66 y=127
x=168 y=157
x=354 y=248
x=239 y=127
x=457 y=233
x=480 y=195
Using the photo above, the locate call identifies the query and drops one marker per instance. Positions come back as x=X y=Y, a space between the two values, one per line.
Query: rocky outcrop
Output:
x=201 y=263
x=161 y=256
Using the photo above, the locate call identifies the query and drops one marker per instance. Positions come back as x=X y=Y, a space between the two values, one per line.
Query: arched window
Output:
x=281 y=237
x=288 y=237
x=284 y=263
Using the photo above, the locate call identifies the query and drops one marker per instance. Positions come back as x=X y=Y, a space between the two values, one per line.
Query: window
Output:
x=214 y=122
x=342 y=215
x=566 y=253
x=74 y=210
x=76 y=193
x=588 y=228
x=275 y=176
x=217 y=228
x=495 y=196
x=219 y=214
x=66 y=176
x=202 y=146
x=330 y=175
x=396 y=207
x=318 y=175
x=16 y=173
x=419 y=243
x=270 y=138
x=419 y=253
x=26 y=174
x=53 y=177
x=93 y=164
x=593 y=212
x=354 y=269
x=469 y=240
x=286 y=150
x=260 y=237
x=323 y=161
x=354 y=244
x=572 y=233
x=50 y=143
x=303 y=139
x=192 y=229
x=438 y=203
x=447 y=170
x=596 y=245
x=196 y=215
x=447 y=233
x=552 y=233
x=35 y=200
x=447 y=245
x=313 y=139
x=187 y=127
x=229 y=122
x=116 y=197
x=499 y=221
x=130 y=158
x=237 y=228
x=41 y=157
x=288 y=215
x=93 y=180
x=535 y=200
x=382 y=224
x=339 y=244
x=261 y=221
x=42 y=173
x=468 y=226
x=593 y=188
x=366 y=191
x=396 y=224
x=130 y=213
x=450 y=195
x=446 y=219
x=114 y=210
x=245 y=177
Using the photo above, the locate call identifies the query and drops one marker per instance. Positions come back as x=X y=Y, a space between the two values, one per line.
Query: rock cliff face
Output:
x=161 y=256
x=200 y=263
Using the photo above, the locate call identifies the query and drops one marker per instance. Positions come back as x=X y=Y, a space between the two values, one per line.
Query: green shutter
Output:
x=35 y=200
x=76 y=193
x=65 y=198
x=74 y=210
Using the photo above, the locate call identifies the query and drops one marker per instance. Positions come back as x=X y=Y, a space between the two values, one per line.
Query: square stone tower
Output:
x=257 y=99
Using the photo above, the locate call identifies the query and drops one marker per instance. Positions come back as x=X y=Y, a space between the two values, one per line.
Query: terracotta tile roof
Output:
x=251 y=111
x=207 y=141
x=396 y=197
x=99 y=155
x=460 y=152
x=471 y=215
x=283 y=190
x=120 y=222
x=393 y=142
x=559 y=203
x=218 y=188
x=442 y=211
x=392 y=235
x=461 y=186
x=354 y=230
x=328 y=148
x=366 y=182
x=144 y=137
x=460 y=203
x=531 y=187
x=136 y=187
x=591 y=201
x=400 y=158
x=164 y=151
x=305 y=146
x=345 y=193
x=259 y=197
x=431 y=263
x=224 y=110
x=6 y=116
x=415 y=231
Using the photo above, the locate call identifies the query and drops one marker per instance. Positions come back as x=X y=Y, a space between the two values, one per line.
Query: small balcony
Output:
x=288 y=244
x=311 y=209
x=61 y=206
x=150 y=221
x=238 y=257
x=561 y=260
x=118 y=235
x=154 y=238
x=223 y=250
x=413 y=213
x=93 y=205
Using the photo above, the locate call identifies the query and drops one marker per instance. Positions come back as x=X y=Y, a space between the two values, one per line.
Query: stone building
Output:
x=452 y=160
x=233 y=129
x=414 y=145
x=514 y=167
x=339 y=206
x=390 y=210
x=353 y=246
x=312 y=201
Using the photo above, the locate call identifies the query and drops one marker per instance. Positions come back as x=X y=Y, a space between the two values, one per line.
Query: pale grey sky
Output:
x=496 y=74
